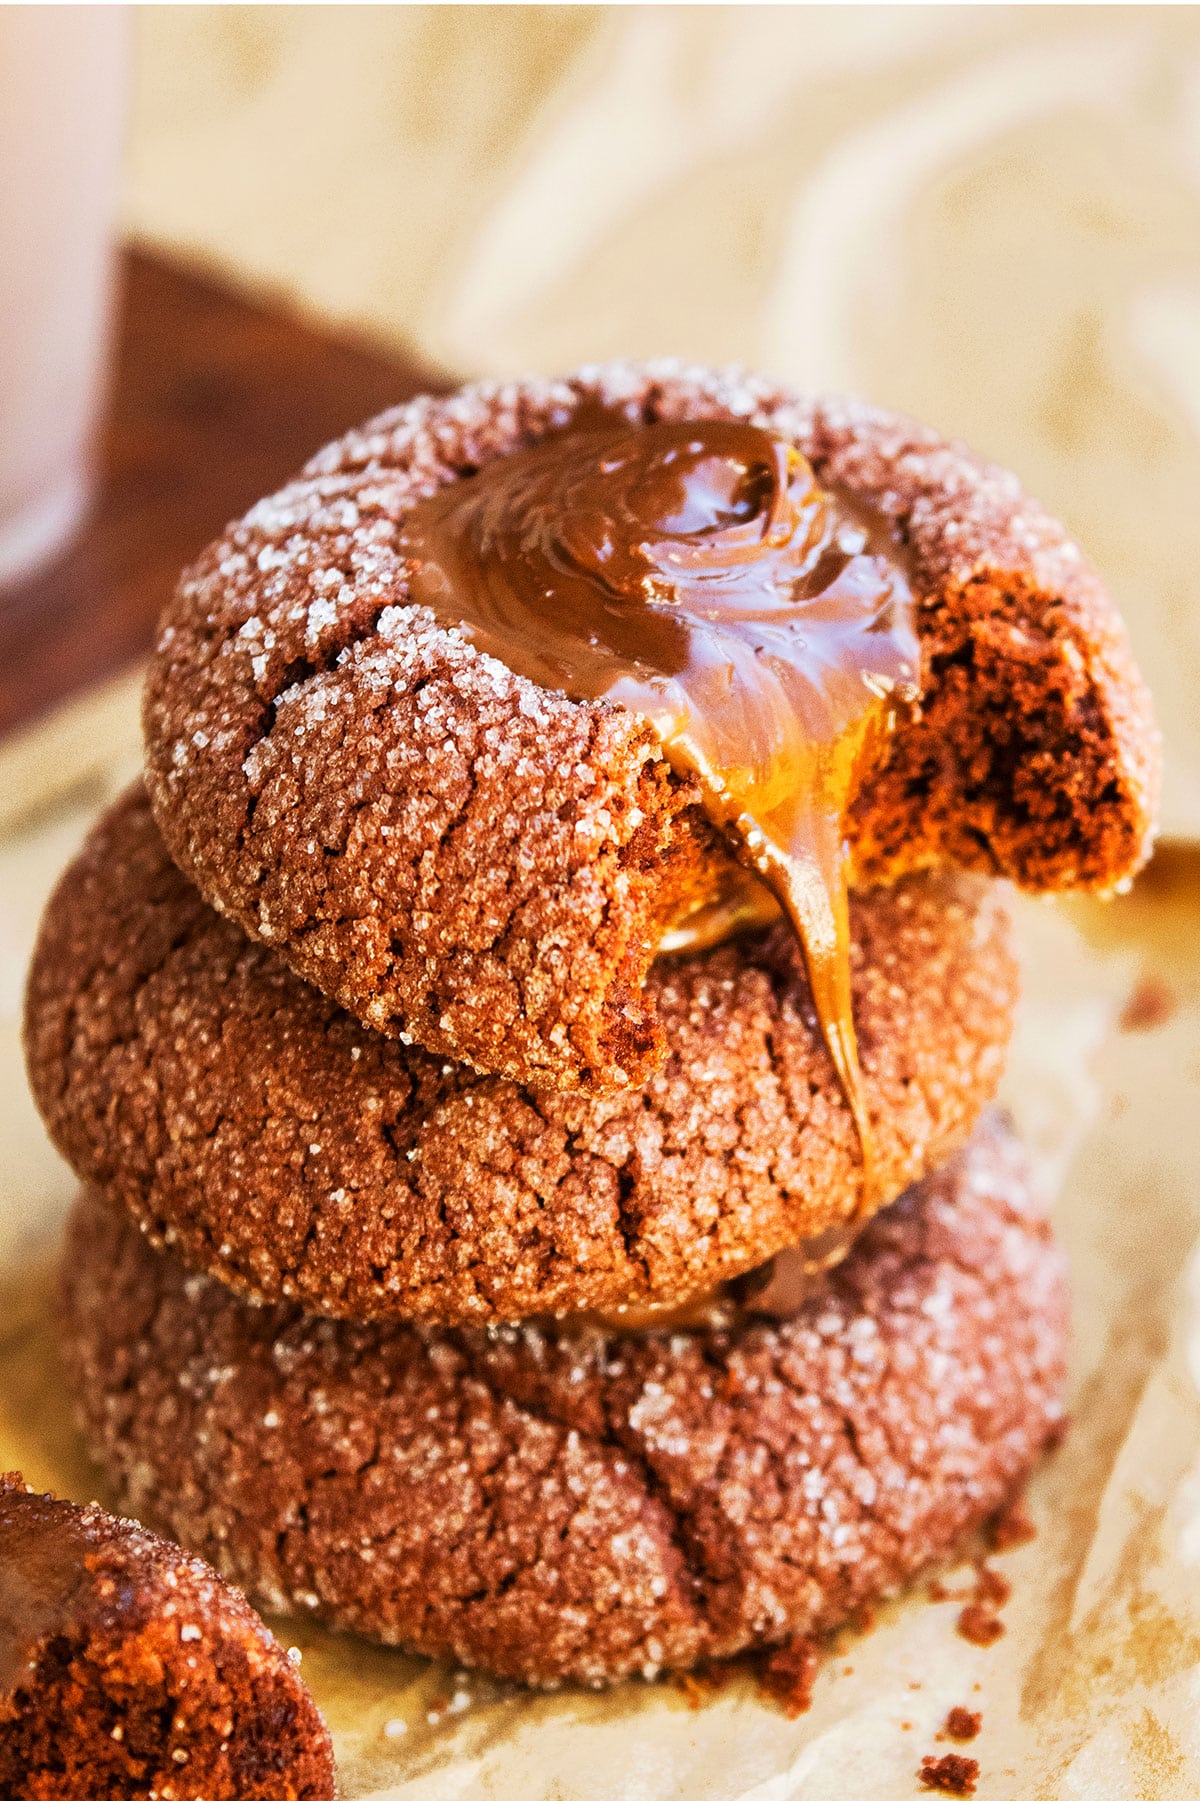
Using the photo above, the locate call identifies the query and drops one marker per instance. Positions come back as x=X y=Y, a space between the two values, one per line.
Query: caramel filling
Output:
x=694 y=573
x=776 y=1290
x=737 y=901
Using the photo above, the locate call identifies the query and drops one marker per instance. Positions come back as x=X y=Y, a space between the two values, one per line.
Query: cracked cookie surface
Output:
x=246 y=1119
x=459 y=855
x=129 y=1668
x=556 y=1503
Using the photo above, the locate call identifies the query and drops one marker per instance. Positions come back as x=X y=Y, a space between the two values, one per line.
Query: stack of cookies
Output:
x=529 y=1043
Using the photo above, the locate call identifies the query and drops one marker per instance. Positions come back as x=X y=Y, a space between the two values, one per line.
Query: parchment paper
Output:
x=1095 y=1689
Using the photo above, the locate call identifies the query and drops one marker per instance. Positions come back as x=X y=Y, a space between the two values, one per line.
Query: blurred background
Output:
x=987 y=216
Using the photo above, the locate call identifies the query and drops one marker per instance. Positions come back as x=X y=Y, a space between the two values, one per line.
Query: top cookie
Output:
x=468 y=860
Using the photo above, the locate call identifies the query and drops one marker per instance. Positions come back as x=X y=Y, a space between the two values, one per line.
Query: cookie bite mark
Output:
x=563 y=1505
x=440 y=843
x=243 y=1117
x=1034 y=752
x=129 y=1667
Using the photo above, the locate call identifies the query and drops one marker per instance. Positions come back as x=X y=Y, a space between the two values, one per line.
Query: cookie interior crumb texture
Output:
x=247 y=1121
x=487 y=867
x=128 y=1668
x=563 y=1504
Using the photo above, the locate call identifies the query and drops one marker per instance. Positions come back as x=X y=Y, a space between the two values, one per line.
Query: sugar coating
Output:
x=248 y=1121
x=158 y=1679
x=556 y=1503
x=457 y=854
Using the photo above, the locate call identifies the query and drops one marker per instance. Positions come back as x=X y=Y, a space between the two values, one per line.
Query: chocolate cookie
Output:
x=246 y=1119
x=465 y=858
x=129 y=1668
x=554 y=1502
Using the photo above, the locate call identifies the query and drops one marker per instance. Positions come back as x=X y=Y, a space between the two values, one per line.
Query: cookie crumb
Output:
x=1151 y=1003
x=979 y=1625
x=961 y=1725
x=788 y=1673
x=950 y=1775
x=990 y=1585
x=1012 y=1526
x=698 y=1686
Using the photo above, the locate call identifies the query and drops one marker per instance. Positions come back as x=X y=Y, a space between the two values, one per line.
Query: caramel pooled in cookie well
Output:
x=693 y=572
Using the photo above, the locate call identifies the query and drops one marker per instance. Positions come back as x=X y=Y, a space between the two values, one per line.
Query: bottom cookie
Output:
x=559 y=1501
x=128 y=1668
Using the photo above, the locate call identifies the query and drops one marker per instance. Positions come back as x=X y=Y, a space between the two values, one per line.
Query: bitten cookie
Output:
x=129 y=1668
x=561 y=1502
x=462 y=857
x=244 y=1118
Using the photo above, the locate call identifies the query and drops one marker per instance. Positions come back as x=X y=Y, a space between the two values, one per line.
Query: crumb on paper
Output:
x=988 y=1591
x=979 y=1625
x=698 y=1686
x=950 y=1775
x=1012 y=1526
x=1151 y=1004
x=788 y=1673
x=961 y=1725
x=990 y=1585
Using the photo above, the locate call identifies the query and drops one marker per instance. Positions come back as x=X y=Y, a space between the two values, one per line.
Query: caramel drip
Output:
x=693 y=572
x=739 y=902
x=776 y=1290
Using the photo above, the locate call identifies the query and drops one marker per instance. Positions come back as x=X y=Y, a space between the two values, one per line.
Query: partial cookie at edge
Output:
x=131 y=1668
x=244 y=1118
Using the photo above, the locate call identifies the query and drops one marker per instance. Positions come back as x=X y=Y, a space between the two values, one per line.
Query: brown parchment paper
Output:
x=1095 y=1689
